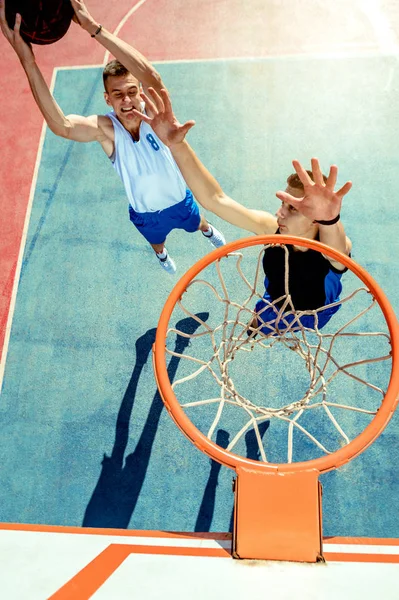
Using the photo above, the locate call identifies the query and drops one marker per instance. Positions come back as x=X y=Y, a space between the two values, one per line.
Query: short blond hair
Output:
x=294 y=181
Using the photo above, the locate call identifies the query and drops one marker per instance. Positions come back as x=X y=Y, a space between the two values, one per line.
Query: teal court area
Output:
x=85 y=438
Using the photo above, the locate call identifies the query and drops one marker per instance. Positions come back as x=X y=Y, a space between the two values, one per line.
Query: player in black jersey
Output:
x=310 y=208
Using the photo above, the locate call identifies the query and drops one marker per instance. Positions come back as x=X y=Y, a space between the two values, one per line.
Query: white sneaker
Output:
x=167 y=263
x=216 y=238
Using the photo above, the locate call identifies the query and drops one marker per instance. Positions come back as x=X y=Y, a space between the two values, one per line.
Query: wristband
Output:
x=97 y=32
x=331 y=222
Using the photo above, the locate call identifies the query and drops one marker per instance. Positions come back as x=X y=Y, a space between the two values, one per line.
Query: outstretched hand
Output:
x=319 y=202
x=82 y=16
x=159 y=114
x=22 y=49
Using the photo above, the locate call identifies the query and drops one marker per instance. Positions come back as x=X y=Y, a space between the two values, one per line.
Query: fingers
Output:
x=318 y=177
x=142 y=116
x=332 y=178
x=166 y=100
x=345 y=189
x=316 y=171
x=187 y=126
x=284 y=197
x=17 y=25
x=3 y=22
x=300 y=171
x=157 y=100
x=150 y=106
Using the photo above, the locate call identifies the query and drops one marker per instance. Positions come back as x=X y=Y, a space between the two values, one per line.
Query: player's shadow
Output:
x=118 y=488
x=207 y=507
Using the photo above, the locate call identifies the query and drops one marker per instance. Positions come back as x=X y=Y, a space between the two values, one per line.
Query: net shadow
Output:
x=207 y=507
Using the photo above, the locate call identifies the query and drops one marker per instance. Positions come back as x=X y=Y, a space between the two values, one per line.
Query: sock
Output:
x=208 y=232
x=162 y=255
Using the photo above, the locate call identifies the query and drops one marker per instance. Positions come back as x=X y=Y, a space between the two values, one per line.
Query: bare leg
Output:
x=204 y=225
x=158 y=248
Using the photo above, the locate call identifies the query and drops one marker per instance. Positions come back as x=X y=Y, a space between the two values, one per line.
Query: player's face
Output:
x=291 y=221
x=123 y=94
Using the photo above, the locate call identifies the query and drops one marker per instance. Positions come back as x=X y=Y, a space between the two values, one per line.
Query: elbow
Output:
x=58 y=131
x=63 y=130
x=155 y=81
x=214 y=201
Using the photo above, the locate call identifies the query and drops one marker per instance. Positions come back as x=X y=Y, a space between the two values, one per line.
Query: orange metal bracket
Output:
x=277 y=516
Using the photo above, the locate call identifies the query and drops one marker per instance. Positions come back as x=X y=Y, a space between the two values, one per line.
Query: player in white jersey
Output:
x=159 y=200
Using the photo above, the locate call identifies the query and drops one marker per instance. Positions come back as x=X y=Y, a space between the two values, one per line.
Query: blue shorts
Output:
x=268 y=317
x=155 y=226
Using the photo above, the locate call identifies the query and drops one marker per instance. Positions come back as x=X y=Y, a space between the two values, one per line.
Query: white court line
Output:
x=372 y=53
x=46 y=537
x=181 y=542
x=121 y=24
x=23 y=244
x=359 y=549
x=78 y=67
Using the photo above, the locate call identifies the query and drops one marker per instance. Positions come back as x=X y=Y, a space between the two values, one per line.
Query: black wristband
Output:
x=332 y=222
x=97 y=32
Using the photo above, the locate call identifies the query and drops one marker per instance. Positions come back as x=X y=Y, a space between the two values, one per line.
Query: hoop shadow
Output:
x=118 y=488
x=207 y=507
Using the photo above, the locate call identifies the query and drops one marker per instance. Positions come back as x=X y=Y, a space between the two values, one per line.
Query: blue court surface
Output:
x=85 y=438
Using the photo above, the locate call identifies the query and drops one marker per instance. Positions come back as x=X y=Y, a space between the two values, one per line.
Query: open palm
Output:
x=159 y=115
x=320 y=202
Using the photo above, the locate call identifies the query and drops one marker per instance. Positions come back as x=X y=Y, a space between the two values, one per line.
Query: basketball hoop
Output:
x=277 y=504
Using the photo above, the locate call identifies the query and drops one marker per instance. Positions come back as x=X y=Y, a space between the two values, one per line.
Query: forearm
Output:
x=211 y=196
x=335 y=237
x=131 y=58
x=203 y=185
x=49 y=108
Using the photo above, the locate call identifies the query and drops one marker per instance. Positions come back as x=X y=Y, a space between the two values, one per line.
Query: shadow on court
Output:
x=206 y=510
x=118 y=488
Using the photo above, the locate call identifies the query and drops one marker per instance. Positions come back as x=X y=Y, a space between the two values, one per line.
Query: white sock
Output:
x=208 y=232
x=162 y=255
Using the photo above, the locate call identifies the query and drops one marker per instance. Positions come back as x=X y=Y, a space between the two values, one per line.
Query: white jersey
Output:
x=148 y=171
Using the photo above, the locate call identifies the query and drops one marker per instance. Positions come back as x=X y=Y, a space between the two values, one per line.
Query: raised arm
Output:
x=322 y=205
x=203 y=185
x=131 y=58
x=75 y=127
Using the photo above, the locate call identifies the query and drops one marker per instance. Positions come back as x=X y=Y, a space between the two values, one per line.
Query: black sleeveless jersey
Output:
x=309 y=281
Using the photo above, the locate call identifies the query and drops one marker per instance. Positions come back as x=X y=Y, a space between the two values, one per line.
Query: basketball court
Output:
x=86 y=444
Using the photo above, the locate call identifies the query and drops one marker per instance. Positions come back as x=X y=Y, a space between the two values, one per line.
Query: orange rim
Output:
x=229 y=459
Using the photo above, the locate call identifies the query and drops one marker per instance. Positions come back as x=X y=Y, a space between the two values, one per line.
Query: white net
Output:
x=294 y=394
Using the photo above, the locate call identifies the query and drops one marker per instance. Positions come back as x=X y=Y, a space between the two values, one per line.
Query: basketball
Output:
x=42 y=21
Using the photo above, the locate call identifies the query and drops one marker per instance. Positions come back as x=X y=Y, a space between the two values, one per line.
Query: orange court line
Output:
x=113 y=532
x=85 y=583
x=363 y=558
x=179 y=535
